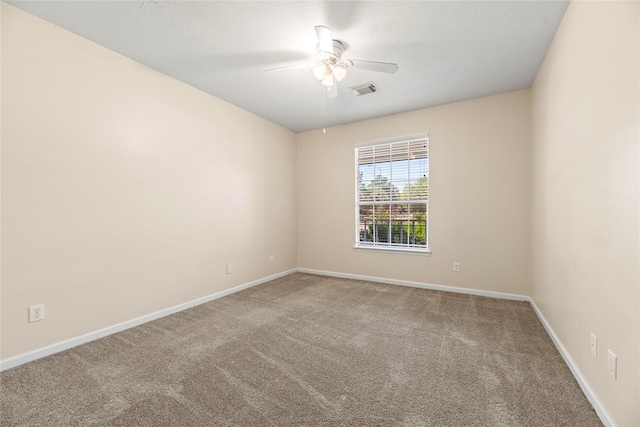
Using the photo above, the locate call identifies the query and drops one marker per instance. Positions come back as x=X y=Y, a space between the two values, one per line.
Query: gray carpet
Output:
x=315 y=351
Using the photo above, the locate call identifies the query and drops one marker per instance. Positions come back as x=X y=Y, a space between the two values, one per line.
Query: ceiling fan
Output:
x=331 y=68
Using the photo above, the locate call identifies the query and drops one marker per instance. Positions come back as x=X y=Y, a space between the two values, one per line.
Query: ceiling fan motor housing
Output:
x=338 y=50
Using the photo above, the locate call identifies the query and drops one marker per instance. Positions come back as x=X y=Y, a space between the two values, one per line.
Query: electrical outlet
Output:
x=270 y=258
x=229 y=270
x=456 y=267
x=36 y=313
x=594 y=345
x=612 y=365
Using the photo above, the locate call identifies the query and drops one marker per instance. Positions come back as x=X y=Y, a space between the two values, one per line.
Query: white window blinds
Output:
x=392 y=195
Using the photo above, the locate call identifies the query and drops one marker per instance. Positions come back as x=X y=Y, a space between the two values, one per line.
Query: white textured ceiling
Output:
x=447 y=51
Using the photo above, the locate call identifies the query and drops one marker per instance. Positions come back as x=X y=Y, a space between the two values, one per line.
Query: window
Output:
x=392 y=195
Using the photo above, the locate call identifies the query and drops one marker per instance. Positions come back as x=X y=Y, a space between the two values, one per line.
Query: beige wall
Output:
x=585 y=133
x=124 y=191
x=478 y=196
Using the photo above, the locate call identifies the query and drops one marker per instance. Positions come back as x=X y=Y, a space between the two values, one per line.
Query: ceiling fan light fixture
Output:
x=320 y=71
x=339 y=72
x=328 y=80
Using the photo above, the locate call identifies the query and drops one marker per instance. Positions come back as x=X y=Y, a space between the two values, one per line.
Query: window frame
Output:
x=386 y=246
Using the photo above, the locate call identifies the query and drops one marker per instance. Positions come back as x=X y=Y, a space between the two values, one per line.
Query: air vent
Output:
x=364 y=89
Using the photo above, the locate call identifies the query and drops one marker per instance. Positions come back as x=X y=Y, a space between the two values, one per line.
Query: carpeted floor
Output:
x=315 y=351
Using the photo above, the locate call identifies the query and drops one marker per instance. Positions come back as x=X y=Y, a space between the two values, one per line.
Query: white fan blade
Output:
x=332 y=91
x=290 y=67
x=324 y=39
x=383 y=67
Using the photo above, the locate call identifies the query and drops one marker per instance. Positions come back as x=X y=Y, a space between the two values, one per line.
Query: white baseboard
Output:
x=444 y=288
x=20 y=359
x=584 y=385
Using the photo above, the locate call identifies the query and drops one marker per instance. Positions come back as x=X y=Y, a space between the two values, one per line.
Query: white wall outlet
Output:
x=36 y=313
x=612 y=365
x=229 y=269
x=270 y=258
x=594 y=345
x=456 y=267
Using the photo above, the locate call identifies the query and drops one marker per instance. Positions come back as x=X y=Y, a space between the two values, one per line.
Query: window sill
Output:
x=425 y=252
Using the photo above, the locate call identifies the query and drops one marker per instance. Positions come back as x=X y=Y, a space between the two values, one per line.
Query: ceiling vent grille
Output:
x=364 y=89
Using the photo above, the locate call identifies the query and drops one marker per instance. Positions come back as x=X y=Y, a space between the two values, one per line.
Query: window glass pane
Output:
x=399 y=219
x=417 y=230
x=365 y=189
x=400 y=173
x=380 y=183
x=417 y=189
x=366 y=223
